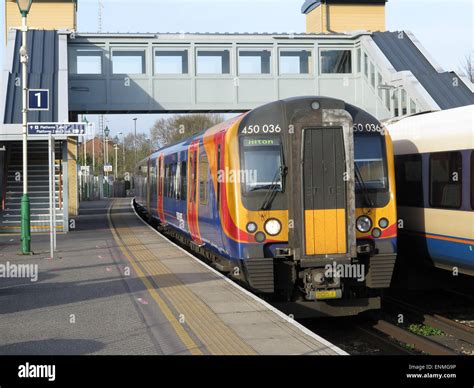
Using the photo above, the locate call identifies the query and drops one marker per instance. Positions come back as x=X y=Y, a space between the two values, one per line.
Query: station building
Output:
x=340 y=55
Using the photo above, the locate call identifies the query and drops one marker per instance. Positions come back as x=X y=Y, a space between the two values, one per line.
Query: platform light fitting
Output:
x=24 y=6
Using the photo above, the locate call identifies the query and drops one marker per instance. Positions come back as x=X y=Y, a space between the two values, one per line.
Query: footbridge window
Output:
x=254 y=61
x=295 y=62
x=171 y=62
x=85 y=61
x=336 y=61
x=213 y=62
x=128 y=62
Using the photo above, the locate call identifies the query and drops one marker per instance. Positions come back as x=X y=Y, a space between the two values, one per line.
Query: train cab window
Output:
x=369 y=154
x=336 y=61
x=171 y=62
x=446 y=180
x=213 y=62
x=295 y=62
x=262 y=160
x=203 y=174
x=409 y=180
x=472 y=180
x=254 y=61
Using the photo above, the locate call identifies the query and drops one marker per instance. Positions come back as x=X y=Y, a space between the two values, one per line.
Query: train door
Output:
x=324 y=191
x=148 y=186
x=161 y=178
x=192 y=197
x=321 y=209
x=219 y=183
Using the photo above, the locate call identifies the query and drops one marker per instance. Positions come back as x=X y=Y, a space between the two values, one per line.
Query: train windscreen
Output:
x=262 y=161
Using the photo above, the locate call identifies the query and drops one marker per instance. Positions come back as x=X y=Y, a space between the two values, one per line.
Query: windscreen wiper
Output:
x=358 y=176
x=272 y=190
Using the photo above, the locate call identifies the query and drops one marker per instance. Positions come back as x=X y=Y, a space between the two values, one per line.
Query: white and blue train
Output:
x=434 y=162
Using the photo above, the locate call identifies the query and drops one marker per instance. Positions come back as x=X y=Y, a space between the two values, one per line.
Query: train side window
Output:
x=203 y=173
x=177 y=179
x=409 y=180
x=158 y=172
x=472 y=180
x=174 y=180
x=446 y=180
x=184 y=182
x=167 y=183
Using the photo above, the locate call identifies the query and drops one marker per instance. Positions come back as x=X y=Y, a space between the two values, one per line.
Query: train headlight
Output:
x=376 y=233
x=272 y=227
x=260 y=237
x=383 y=223
x=251 y=227
x=363 y=224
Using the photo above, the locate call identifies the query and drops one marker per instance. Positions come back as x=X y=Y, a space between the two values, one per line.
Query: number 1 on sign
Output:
x=38 y=99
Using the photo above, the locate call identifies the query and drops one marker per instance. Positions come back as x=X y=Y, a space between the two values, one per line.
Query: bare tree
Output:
x=167 y=131
x=467 y=67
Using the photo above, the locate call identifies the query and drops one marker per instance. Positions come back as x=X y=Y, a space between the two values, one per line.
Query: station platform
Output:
x=117 y=286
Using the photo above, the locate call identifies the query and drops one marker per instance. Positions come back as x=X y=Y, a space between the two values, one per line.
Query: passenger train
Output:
x=294 y=199
x=435 y=190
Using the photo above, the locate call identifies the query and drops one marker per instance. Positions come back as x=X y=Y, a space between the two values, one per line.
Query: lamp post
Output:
x=24 y=7
x=135 y=140
x=84 y=120
x=123 y=152
x=91 y=128
x=116 y=147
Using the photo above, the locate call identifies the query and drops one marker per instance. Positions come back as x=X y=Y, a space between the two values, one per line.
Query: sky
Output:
x=444 y=27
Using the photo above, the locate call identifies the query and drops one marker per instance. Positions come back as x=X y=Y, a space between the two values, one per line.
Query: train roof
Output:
x=446 y=130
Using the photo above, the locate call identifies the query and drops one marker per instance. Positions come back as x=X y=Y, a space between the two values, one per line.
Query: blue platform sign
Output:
x=57 y=129
x=38 y=99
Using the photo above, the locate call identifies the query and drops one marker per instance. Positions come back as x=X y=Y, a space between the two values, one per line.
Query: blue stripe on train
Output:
x=441 y=251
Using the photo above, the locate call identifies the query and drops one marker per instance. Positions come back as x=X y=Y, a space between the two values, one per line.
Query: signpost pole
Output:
x=51 y=193
x=25 y=200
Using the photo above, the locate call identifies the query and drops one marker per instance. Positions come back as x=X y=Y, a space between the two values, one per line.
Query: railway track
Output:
x=462 y=333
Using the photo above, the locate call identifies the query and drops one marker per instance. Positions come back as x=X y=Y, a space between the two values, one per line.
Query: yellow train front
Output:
x=295 y=199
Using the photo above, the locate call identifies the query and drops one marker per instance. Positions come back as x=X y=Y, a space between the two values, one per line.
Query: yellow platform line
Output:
x=218 y=337
x=176 y=325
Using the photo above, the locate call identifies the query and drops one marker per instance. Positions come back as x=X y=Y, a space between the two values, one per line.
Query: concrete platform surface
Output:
x=116 y=286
